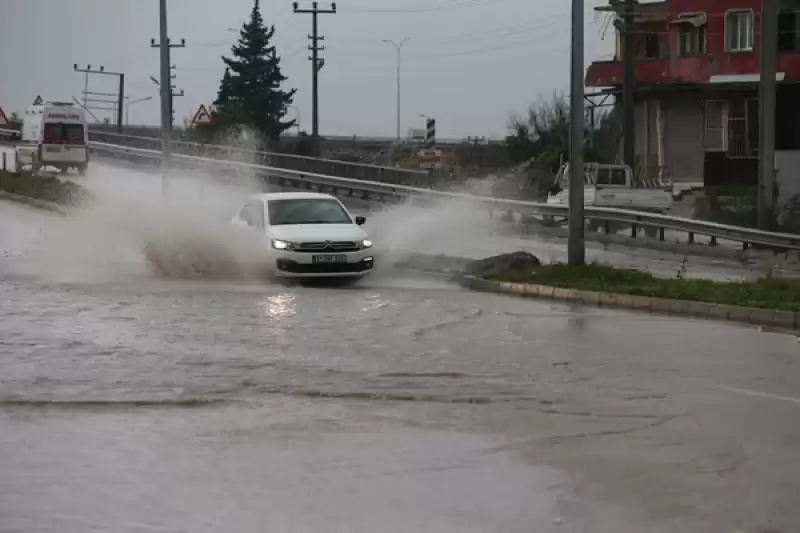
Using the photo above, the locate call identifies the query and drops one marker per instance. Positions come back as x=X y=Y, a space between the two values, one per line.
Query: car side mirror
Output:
x=361 y=220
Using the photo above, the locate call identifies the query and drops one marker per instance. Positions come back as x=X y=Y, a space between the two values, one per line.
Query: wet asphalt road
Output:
x=137 y=404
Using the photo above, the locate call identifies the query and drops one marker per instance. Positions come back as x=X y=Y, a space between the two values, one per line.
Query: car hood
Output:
x=317 y=232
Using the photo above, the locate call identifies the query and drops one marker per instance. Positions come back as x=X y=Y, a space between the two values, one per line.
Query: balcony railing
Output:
x=698 y=69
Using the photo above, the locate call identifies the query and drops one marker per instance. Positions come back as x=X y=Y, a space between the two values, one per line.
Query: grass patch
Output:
x=46 y=188
x=766 y=293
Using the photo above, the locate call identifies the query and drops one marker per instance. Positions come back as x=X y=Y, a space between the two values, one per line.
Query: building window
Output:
x=616 y=176
x=714 y=136
x=650 y=45
x=739 y=31
x=743 y=128
x=789 y=31
x=691 y=40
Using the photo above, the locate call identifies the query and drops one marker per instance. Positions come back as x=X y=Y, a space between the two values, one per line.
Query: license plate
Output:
x=52 y=148
x=329 y=259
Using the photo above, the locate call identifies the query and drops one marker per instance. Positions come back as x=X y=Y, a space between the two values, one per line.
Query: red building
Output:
x=697 y=74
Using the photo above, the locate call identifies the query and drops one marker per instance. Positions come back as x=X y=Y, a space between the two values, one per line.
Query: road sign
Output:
x=202 y=117
x=430 y=158
x=38 y=100
x=430 y=133
x=3 y=118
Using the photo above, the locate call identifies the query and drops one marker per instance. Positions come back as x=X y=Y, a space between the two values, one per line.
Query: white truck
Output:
x=611 y=186
x=54 y=134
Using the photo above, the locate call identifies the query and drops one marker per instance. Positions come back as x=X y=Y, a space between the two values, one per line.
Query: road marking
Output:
x=760 y=394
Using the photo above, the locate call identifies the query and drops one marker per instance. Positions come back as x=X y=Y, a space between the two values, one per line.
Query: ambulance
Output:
x=54 y=134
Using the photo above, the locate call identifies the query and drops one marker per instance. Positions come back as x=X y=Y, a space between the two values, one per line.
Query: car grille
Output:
x=330 y=246
x=293 y=267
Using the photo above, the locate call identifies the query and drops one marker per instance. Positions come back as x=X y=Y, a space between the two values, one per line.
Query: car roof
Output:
x=292 y=196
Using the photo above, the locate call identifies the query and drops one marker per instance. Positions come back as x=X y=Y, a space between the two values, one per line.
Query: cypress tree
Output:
x=250 y=93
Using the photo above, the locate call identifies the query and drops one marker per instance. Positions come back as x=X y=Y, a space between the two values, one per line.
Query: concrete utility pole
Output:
x=120 y=93
x=398 y=47
x=173 y=95
x=576 y=246
x=628 y=86
x=766 y=113
x=316 y=61
x=164 y=47
x=86 y=85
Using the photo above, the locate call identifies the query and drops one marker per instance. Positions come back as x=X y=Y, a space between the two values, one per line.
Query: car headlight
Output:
x=279 y=244
x=366 y=243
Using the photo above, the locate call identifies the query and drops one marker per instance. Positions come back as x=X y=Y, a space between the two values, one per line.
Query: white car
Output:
x=308 y=235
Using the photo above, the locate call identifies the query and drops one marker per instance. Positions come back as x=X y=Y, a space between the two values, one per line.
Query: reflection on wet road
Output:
x=190 y=406
x=135 y=404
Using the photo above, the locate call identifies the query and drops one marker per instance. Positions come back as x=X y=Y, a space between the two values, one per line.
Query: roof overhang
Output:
x=695 y=19
x=616 y=6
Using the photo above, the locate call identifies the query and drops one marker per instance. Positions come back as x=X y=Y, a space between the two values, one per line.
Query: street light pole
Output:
x=398 y=47
x=128 y=107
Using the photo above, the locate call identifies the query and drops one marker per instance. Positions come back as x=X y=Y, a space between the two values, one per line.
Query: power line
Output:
x=504 y=46
x=502 y=31
x=506 y=31
x=517 y=29
x=460 y=4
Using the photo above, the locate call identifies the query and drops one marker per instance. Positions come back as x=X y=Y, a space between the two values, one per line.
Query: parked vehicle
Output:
x=54 y=134
x=611 y=186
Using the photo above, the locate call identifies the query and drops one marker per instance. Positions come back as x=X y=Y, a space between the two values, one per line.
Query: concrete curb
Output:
x=762 y=317
x=34 y=202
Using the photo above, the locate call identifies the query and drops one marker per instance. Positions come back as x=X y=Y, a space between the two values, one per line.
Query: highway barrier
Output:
x=345 y=169
x=654 y=224
x=9 y=135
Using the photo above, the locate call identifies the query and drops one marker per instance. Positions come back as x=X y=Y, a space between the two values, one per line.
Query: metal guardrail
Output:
x=346 y=169
x=155 y=131
x=9 y=135
x=373 y=190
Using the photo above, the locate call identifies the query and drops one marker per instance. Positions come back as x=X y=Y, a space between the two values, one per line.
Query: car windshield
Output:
x=307 y=211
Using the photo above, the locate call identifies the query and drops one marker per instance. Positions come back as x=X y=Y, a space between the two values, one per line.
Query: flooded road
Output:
x=135 y=404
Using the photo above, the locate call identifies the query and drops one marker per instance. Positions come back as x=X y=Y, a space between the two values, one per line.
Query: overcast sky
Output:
x=469 y=63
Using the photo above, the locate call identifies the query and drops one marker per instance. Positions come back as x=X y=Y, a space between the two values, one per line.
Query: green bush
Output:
x=49 y=189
